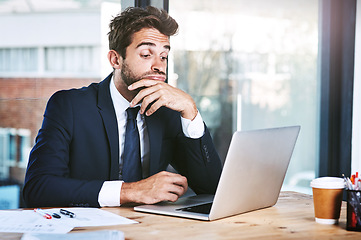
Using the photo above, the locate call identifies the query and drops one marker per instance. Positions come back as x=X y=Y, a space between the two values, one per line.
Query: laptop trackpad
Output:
x=184 y=202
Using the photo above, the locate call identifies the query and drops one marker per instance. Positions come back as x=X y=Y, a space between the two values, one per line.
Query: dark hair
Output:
x=132 y=20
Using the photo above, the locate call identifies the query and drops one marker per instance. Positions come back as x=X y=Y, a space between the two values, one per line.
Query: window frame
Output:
x=336 y=66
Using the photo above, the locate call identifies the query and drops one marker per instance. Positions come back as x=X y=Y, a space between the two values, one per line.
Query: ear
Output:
x=115 y=59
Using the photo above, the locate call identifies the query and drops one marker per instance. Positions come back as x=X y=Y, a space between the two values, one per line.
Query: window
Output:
x=18 y=59
x=49 y=60
x=69 y=59
x=15 y=146
x=63 y=45
x=12 y=147
x=252 y=65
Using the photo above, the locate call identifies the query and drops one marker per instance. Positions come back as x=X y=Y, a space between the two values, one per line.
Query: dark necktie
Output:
x=132 y=167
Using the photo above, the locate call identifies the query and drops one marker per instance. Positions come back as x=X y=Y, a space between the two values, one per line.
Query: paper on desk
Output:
x=96 y=235
x=28 y=221
x=89 y=217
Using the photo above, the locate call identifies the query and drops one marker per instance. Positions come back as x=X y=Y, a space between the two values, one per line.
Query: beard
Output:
x=129 y=77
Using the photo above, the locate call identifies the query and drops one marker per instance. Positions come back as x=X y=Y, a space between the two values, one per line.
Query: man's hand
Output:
x=163 y=186
x=158 y=94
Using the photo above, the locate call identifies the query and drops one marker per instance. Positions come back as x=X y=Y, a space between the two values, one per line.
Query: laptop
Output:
x=251 y=179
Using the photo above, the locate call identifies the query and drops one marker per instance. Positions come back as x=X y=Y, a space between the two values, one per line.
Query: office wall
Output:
x=50 y=29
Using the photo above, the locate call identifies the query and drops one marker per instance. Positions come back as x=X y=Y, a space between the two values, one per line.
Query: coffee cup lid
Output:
x=328 y=182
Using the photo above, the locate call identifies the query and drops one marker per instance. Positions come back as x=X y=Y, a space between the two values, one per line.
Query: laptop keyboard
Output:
x=202 y=208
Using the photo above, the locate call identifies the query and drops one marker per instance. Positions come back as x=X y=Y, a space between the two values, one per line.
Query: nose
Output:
x=159 y=65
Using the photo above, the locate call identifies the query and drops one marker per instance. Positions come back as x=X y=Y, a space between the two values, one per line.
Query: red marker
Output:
x=42 y=213
x=353 y=176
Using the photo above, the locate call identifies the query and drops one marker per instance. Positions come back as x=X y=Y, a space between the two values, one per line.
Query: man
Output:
x=83 y=151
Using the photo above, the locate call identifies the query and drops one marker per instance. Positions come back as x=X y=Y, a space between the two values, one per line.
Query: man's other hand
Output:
x=163 y=186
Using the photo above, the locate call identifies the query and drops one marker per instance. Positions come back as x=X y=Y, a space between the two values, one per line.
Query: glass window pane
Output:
x=18 y=59
x=57 y=45
x=251 y=65
x=69 y=59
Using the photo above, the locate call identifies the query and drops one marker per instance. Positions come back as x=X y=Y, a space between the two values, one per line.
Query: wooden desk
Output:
x=291 y=218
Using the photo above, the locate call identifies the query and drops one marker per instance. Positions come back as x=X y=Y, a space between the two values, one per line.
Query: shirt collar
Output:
x=120 y=103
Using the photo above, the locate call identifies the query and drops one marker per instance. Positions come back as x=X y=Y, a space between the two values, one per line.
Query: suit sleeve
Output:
x=198 y=160
x=47 y=181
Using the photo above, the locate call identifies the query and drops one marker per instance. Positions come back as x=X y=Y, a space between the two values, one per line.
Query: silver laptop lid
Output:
x=254 y=170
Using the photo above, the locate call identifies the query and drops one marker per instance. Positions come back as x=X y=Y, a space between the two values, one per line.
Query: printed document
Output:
x=28 y=221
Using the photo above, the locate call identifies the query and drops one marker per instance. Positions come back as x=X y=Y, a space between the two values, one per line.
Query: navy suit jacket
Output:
x=77 y=149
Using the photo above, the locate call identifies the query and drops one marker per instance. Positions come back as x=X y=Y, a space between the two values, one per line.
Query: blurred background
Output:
x=248 y=65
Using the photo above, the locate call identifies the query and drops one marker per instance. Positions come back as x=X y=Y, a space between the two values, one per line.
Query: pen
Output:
x=68 y=213
x=55 y=215
x=348 y=182
x=42 y=213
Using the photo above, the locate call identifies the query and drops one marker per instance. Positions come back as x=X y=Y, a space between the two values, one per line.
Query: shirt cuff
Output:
x=193 y=128
x=109 y=195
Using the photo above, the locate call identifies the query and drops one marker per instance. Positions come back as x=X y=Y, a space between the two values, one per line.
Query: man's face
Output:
x=146 y=57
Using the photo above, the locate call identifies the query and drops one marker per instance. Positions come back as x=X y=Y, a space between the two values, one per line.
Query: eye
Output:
x=163 y=56
x=145 y=53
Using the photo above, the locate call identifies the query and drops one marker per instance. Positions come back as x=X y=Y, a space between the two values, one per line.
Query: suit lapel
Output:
x=107 y=112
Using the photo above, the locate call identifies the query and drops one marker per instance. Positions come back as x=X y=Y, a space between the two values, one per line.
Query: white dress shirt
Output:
x=109 y=194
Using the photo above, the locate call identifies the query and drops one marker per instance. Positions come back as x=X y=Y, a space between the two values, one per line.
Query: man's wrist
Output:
x=191 y=112
x=127 y=194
